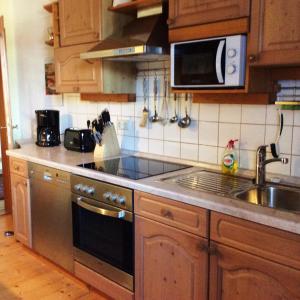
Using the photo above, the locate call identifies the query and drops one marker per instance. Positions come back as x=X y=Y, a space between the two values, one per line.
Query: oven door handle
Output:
x=219 y=61
x=100 y=210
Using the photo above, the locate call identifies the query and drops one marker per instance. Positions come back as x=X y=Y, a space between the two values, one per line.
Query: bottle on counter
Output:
x=230 y=161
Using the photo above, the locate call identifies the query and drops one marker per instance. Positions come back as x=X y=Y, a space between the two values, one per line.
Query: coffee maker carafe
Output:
x=48 y=134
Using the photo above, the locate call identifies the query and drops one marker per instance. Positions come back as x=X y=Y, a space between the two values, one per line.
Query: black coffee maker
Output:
x=48 y=134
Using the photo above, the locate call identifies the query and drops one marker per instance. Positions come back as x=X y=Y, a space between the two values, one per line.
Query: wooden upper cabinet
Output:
x=75 y=75
x=79 y=21
x=169 y=263
x=275 y=33
x=238 y=275
x=195 y=12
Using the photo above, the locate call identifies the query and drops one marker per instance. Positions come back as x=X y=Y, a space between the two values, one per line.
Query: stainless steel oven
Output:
x=103 y=228
x=209 y=63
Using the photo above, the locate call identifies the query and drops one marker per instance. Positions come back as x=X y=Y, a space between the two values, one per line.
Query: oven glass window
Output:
x=107 y=238
x=195 y=63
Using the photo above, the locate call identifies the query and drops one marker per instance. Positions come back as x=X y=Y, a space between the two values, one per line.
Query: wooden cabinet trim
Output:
x=101 y=283
x=230 y=27
x=260 y=240
x=18 y=167
x=183 y=216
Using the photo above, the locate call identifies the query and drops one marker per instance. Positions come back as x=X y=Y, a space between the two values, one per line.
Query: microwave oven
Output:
x=209 y=63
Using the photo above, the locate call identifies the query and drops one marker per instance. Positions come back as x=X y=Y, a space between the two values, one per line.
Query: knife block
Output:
x=109 y=144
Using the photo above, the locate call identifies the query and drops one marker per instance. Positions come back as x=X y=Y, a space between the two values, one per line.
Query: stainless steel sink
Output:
x=272 y=196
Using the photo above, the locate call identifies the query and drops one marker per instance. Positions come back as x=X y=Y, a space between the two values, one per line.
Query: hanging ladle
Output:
x=186 y=120
x=174 y=119
x=155 y=117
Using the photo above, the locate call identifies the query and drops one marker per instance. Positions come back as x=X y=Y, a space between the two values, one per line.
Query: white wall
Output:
x=27 y=22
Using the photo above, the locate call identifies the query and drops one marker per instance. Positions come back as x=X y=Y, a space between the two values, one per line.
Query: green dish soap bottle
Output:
x=230 y=162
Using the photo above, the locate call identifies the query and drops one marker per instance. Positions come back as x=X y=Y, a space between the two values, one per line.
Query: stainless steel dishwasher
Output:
x=51 y=213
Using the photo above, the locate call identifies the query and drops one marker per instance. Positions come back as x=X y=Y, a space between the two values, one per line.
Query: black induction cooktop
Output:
x=133 y=167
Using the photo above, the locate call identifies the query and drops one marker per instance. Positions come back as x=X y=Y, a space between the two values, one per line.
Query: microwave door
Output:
x=219 y=72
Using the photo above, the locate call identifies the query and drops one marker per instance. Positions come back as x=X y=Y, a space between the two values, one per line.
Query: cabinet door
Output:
x=21 y=209
x=169 y=263
x=195 y=12
x=75 y=75
x=275 y=32
x=79 y=21
x=241 y=276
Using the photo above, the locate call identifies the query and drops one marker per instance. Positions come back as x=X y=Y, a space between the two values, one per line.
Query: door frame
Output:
x=5 y=118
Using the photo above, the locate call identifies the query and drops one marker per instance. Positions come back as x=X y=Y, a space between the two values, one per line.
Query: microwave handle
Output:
x=219 y=61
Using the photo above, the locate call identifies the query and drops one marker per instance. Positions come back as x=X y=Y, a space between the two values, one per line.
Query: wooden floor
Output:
x=24 y=275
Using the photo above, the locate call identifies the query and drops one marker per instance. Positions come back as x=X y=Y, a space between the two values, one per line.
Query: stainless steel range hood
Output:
x=144 y=39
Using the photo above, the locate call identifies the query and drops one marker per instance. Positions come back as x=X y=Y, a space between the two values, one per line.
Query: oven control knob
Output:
x=107 y=195
x=91 y=191
x=121 y=200
x=231 y=69
x=78 y=187
x=84 y=188
x=231 y=53
x=113 y=197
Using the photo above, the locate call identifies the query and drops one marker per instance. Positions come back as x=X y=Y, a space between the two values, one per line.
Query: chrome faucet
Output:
x=261 y=163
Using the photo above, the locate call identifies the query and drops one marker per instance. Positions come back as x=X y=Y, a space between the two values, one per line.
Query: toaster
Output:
x=80 y=140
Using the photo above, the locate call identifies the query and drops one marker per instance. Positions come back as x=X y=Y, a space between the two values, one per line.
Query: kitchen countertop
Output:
x=60 y=158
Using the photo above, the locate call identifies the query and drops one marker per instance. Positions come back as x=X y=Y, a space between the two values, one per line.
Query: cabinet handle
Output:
x=252 y=58
x=203 y=247
x=167 y=214
x=76 y=89
x=17 y=168
x=213 y=250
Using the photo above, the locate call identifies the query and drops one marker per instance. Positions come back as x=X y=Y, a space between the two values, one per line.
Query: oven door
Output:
x=103 y=239
x=198 y=64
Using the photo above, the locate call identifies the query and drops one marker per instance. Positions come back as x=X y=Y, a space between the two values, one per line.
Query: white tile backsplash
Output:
x=209 y=112
x=156 y=147
x=227 y=132
x=208 y=154
x=172 y=149
x=273 y=117
x=212 y=127
x=252 y=136
x=189 y=151
x=285 y=142
x=254 y=114
x=296 y=141
x=208 y=133
x=230 y=113
x=295 y=166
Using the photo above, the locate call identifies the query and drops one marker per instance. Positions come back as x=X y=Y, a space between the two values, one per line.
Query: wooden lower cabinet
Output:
x=169 y=263
x=21 y=209
x=237 y=275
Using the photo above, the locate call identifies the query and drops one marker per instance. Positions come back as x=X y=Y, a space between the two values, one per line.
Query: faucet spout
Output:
x=283 y=160
x=261 y=163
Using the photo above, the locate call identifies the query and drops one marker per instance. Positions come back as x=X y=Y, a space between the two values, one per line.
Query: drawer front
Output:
x=261 y=240
x=183 y=216
x=18 y=167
